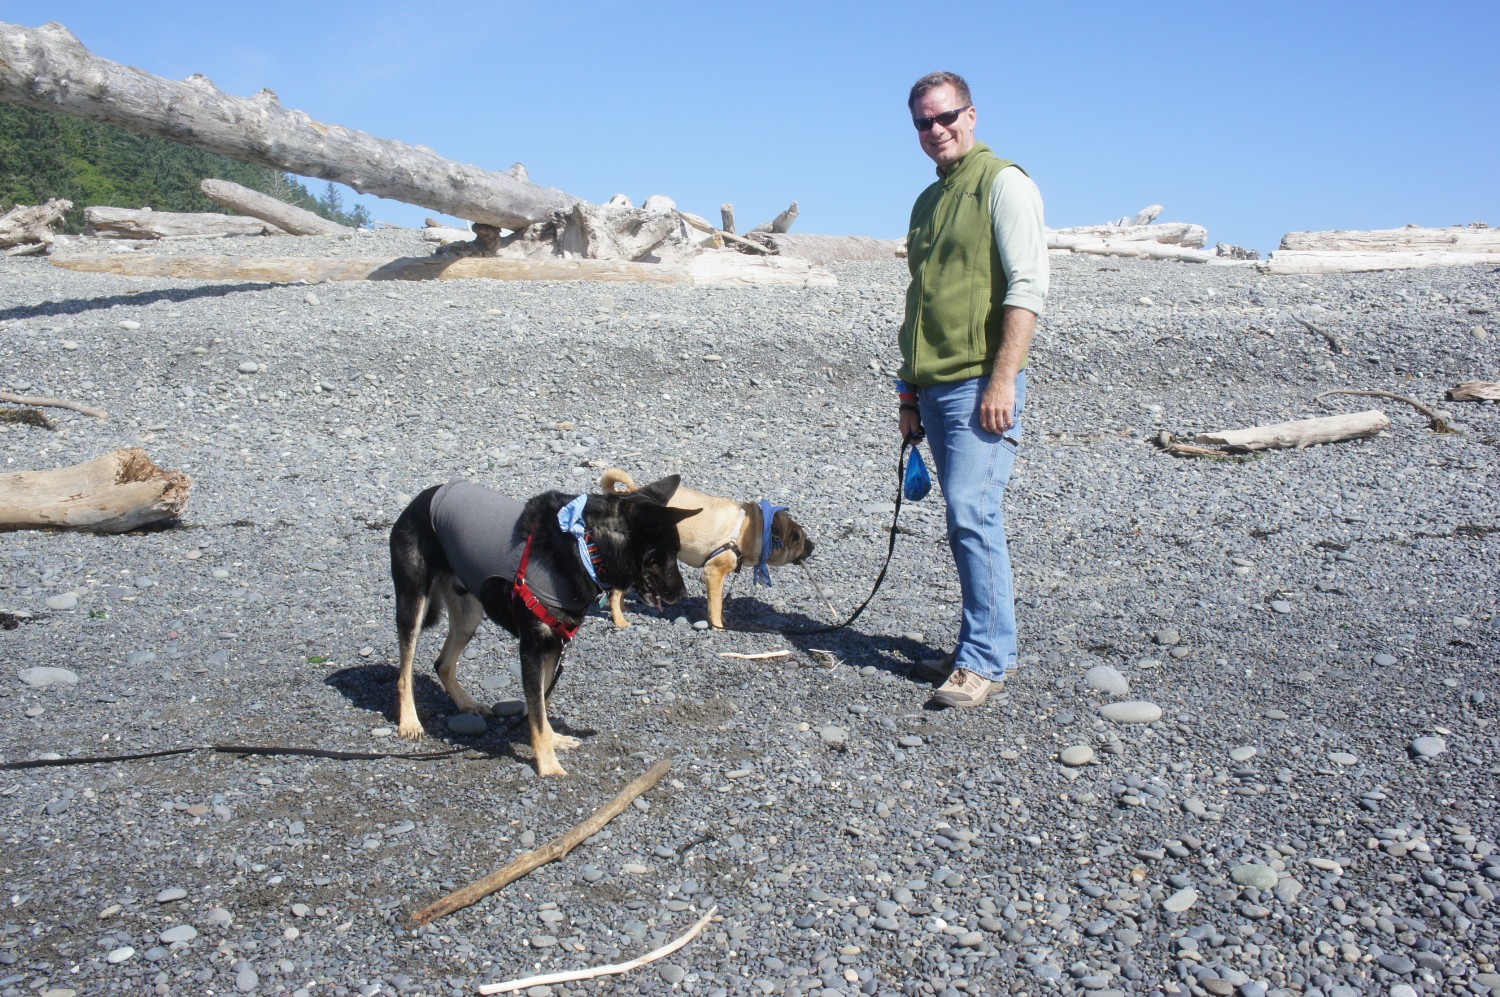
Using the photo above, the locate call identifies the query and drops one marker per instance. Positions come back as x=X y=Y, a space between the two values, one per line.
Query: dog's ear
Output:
x=678 y=515
x=659 y=490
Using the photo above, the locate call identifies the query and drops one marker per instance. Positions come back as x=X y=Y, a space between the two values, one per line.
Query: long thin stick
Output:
x=1333 y=341
x=589 y=974
x=6 y=396
x=551 y=851
x=1435 y=422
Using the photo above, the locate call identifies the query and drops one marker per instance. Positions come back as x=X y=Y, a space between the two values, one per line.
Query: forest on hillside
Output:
x=44 y=155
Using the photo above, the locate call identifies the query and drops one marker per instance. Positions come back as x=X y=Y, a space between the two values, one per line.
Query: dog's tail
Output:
x=615 y=481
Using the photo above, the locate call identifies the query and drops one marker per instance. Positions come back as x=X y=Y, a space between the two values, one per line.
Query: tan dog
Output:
x=722 y=538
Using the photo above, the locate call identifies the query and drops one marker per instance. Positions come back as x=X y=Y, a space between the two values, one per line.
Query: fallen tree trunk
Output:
x=1284 y=261
x=830 y=248
x=1130 y=247
x=704 y=269
x=1460 y=238
x=116 y=493
x=27 y=226
x=1172 y=233
x=48 y=68
x=287 y=217
x=144 y=223
x=1299 y=434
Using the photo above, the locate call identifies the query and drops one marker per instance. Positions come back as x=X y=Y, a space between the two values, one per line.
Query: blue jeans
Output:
x=973 y=468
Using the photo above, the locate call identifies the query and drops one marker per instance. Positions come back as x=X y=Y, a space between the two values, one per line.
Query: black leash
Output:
x=889 y=551
x=228 y=749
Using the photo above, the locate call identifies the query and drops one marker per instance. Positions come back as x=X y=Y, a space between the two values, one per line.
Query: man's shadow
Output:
x=77 y=306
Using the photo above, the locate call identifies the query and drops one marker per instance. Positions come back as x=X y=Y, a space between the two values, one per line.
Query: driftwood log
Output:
x=144 y=223
x=1413 y=238
x=1475 y=391
x=829 y=248
x=1300 y=433
x=781 y=223
x=1284 y=261
x=1436 y=421
x=1142 y=248
x=704 y=269
x=1170 y=233
x=115 y=493
x=6 y=396
x=28 y=228
x=286 y=217
x=48 y=68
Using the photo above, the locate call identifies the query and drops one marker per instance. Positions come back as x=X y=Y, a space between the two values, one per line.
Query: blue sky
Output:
x=1250 y=119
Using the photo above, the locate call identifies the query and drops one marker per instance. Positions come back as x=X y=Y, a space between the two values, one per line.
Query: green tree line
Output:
x=44 y=155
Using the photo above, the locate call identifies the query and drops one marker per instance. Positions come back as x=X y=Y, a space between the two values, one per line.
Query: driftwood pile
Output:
x=1385 y=249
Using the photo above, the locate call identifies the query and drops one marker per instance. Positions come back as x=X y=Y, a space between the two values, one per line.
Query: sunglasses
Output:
x=945 y=119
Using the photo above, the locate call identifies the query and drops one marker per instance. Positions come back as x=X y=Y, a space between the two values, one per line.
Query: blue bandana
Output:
x=570 y=518
x=767 y=542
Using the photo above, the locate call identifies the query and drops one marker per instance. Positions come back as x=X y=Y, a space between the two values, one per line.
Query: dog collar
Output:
x=570 y=519
x=768 y=540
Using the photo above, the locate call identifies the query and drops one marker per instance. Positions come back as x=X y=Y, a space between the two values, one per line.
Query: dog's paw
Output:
x=475 y=707
x=548 y=771
x=412 y=732
x=563 y=742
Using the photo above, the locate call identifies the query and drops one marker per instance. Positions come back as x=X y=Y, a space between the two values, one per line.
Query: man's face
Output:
x=945 y=144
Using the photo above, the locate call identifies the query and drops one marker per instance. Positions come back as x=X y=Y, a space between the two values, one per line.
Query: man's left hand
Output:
x=997 y=407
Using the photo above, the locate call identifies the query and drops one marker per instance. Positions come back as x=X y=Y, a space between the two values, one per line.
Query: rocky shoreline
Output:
x=1252 y=747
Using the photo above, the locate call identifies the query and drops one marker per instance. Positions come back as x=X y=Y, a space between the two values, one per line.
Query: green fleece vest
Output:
x=953 y=316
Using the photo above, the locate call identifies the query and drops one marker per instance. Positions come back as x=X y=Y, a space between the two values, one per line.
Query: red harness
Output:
x=524 y=593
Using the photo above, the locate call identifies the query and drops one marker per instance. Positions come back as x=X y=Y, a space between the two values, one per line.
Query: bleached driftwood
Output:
x=1145 y=216
x=144 y=223
x=726 y=214
x=781 y=223
x=50 y=69
x=1475 y=391
x=1300 y=433
x=1171 y=233
x=704 y=269
x=1131 y=247
x=445 y=234
x=286 y=217
x=115 y=493
x=1284 y=261
x=1458 y=238
x=829 y=248
x=6 y=396
x=1436 y=421
x=28 y=227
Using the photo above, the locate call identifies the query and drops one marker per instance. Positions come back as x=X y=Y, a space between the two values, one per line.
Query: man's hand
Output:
x=911 y=424
x=997 y=406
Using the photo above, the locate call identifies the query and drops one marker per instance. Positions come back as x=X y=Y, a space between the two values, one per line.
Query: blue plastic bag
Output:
x=917 y=482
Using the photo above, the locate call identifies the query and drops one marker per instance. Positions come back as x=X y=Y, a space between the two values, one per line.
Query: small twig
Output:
x=1435 y=421
x=754 y=657
x=550 y=852
x=589 y=974
x=6 y=396
x=1333 y=341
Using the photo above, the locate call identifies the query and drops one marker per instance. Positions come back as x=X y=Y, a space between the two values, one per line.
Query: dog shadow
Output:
x=141 y=299
x=373 y=688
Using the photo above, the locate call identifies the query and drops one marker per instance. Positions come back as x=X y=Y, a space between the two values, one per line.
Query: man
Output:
x=978 y=261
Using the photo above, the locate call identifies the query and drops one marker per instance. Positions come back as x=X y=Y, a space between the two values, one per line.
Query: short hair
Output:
x=934 y=80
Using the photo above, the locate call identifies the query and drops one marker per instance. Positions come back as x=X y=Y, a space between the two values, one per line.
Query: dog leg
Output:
x=715 y=574
x=410 y=608
x=464 y=616
x=617 y=607
x=539 y=658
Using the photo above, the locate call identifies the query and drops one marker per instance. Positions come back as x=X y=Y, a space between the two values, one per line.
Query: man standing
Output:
x=978 y=260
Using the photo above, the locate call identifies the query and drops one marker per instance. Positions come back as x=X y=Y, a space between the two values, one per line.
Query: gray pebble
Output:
x=467 y=724
x=62 y=602
x=178 y=933
x=1078 y=754
x=1428 y=746
x=1108 y=680
x=47 y=675
x=1259 y=877
x=1131 y=712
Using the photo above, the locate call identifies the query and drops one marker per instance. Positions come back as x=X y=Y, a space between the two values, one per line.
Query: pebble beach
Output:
x=1252 y=747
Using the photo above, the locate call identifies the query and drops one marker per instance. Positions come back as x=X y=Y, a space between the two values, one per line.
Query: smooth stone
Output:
x=910 y=741
x=140 y=657
x=1280 y=606
x=1134 y=711
x=1428 y=746
x=467 y=724
x=246 y=980
x=248 y=367
x=1167 y=638
x=1106 y=679
x=45 y=675
x=170 y=894
x=1326 y=865
x=672 y=974
x=1181 y=900
x=1259 y=877
x=509 y=708
x=178 y=933
x=1343 y=758
x=63 y=601
x=1384 y=660
x=635 y=868
x=834 y=737
x=120 y=954
x=1243 y=753
x=1078 y=754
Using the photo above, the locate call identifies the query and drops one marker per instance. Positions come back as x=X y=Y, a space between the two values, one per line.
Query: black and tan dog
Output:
x=534 y=567
x=722 y=538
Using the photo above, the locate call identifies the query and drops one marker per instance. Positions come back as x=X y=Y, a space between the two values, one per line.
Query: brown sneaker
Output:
x=963 y=690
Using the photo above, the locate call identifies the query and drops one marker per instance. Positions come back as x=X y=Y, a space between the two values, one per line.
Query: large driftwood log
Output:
x=1284 y=261
x=704 y=269
x=1172 y=233
x=1131 y=247
x=1300 y=433
x=287 y=217
x=144 y=223
x=830 y=248
x=48 y=68
x=25 y=227
x=1458 y=238
x=116 y=493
